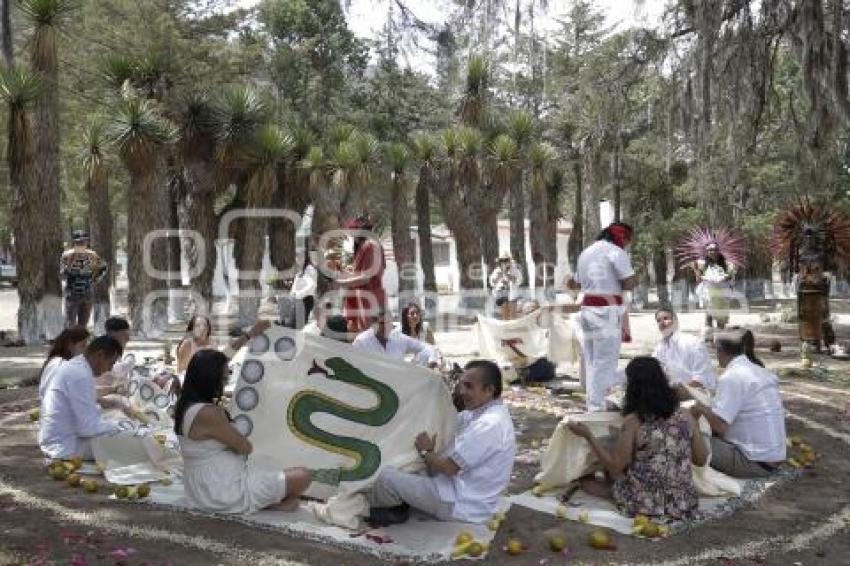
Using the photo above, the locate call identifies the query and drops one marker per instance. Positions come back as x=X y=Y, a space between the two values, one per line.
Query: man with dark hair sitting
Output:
x=117 y=327
x=336 y=328
x=747 y=418
x=464 y=481
x=71 y=416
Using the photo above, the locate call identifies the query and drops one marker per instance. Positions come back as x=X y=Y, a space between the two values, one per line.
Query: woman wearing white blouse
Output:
x=304 y=290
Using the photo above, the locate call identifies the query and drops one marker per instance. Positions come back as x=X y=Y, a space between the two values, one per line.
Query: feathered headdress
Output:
x=731 y=245
x=829 y=226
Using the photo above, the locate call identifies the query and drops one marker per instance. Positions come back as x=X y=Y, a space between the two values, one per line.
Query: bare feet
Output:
x=596 y=488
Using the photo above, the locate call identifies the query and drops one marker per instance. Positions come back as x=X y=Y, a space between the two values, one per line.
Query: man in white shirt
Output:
x=71 y=416
x=603 y=273
x=465 y=481
x=746 y=416
x=685 y=358
x=505 y=281
x=382 y=338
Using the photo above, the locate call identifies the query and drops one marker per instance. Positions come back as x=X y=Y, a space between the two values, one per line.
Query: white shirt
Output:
x=304 y=284
x=601 y=268
x=748 y=399
x=499 y=280
x=312 y=328
x=69 y=411
x=484 y=450
x=686 y=358
x=47 y=375
x=398 y=345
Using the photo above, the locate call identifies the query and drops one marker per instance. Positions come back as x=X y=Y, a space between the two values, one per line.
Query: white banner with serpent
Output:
x=309 y=401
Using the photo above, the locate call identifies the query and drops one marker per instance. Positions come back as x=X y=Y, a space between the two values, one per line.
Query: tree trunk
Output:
x=176 y=302
x=659 y=267
x=100 y=231
x=201 y=187
x=538 y=213
x=554 y=214
x=576 y=242
x=252 y=244
x=149 y=203
x=402 y=242
x=290 y=195
x=25 y=208
x=490 y=238
x=517 y=213
x=593 y=189
x=423 y=227
x=6 y=31
x=463 y=227
x=49 y=227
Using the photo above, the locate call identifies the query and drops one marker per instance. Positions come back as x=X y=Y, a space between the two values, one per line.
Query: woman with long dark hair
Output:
x=199 y=337
x=216 y=473
x=70 y=343
x=413 y=325
x=650 y=463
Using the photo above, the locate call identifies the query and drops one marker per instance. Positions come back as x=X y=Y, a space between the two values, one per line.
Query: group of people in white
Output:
x=646 y=468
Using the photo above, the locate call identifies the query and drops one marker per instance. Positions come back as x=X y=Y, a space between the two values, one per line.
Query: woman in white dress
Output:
x=217 y=474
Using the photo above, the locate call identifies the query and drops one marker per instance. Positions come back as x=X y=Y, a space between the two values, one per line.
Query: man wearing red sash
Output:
x=603 y=273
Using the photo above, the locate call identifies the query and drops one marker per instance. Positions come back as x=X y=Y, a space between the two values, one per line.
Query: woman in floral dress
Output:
x=648 y=468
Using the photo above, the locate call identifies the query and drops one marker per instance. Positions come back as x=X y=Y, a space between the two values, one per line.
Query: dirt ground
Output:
x=805 y=522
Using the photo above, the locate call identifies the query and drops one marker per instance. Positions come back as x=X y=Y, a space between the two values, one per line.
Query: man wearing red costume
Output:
x=364 y=291
x=603 y=273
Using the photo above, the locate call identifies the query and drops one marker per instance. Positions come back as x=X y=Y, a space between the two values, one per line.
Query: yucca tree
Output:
x=503 y=160
x=325 y=199
x=96 y=170
x=427 y=153
x=456 y=214
x=398 y=159
x=540 y=157
x=19 y=89
x=202 y=181
x=474 y=102
x=293 y=194
x=141 y=134
x=521 y=128
x=555 y=189
x=360 y=160
x=241 y=114
x=262 y=159
x=46 y=18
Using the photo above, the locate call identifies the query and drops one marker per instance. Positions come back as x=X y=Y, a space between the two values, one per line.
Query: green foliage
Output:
x=504 y=151
x=426 y=147
x=138 y=127
x=398 y=157
x=47 y=13
x=19 y=86
x=271 y=146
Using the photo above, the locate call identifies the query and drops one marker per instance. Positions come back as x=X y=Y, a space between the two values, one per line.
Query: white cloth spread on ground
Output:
x=686 y=358
x=749 y=400
x=343 y=413
x=70 y=415
x=398 y=346
x=601 y=268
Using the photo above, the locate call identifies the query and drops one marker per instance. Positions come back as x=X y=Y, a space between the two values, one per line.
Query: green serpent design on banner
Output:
x=366 y=455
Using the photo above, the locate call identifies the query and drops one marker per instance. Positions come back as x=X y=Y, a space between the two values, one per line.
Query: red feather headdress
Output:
x=731 y=245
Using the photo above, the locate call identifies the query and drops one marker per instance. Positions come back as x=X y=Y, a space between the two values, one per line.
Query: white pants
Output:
x=393 y=487
x=601 y=329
